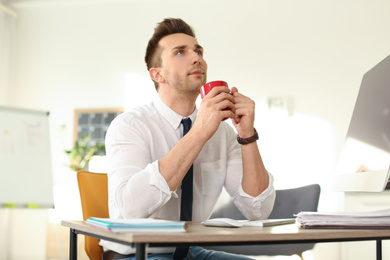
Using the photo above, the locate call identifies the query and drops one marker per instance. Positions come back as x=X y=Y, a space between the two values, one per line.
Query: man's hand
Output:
x=215 y=106
x=244 y=116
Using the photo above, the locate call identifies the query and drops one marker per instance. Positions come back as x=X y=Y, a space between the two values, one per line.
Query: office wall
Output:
x=76 y=54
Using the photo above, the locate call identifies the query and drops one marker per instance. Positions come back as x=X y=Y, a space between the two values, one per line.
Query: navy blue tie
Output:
x=186 y=184
x=186 y=196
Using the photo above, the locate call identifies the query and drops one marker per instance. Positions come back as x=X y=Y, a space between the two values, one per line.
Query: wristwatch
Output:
x=248 y=140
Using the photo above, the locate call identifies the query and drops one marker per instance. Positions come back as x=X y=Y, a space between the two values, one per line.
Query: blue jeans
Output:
x=198 y=253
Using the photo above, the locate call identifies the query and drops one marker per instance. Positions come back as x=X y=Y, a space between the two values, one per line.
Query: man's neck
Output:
x=183 y=105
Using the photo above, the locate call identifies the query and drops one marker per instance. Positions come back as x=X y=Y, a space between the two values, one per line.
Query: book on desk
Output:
x=136 y=225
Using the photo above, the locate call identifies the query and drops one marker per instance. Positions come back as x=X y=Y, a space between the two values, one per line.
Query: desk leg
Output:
x=141 y=251
x=379 y=249
x=73 y=245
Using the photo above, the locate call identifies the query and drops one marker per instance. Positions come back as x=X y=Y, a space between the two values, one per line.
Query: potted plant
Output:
x=82 y=153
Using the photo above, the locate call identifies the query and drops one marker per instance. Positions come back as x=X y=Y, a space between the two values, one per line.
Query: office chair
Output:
x=287 y=203
x=94 y=203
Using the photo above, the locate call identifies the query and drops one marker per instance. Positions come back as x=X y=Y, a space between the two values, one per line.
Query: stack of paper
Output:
x=137 y=225
x=374 y=219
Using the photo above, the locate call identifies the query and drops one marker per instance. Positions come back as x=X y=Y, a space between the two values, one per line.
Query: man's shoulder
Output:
x=135 y=117
x=140 y=112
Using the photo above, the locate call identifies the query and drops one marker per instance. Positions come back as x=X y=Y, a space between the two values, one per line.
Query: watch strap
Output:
x=248 y=140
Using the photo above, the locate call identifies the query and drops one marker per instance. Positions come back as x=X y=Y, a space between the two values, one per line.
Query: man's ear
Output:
x=155 y=74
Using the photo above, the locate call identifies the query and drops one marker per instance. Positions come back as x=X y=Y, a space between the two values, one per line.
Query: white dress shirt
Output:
x=136 y=140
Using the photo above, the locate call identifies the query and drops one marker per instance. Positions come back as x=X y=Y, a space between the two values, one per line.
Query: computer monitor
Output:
x=365 y=158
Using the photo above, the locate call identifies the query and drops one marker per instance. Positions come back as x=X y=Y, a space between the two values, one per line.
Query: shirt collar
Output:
x=171 y=116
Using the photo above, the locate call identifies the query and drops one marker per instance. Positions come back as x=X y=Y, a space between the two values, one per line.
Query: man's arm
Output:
x=176 y=163
x=174 y=166
x=255 y=177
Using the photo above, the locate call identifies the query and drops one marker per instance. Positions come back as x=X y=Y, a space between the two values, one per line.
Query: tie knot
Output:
x=186 y=125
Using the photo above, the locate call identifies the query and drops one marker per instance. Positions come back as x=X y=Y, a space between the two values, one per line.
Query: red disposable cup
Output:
x=205 y=89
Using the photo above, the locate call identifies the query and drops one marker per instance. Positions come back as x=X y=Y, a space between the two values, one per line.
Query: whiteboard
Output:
x=26 y=178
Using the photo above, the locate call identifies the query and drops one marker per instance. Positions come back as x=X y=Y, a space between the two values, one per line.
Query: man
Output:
x=149 y=156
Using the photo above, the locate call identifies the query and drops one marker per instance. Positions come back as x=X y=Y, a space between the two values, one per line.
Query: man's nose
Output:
x=196 y=59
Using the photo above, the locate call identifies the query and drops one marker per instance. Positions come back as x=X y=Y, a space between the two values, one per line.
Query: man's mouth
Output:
x=196 y=72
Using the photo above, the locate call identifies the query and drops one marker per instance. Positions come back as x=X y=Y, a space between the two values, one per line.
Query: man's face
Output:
x=183 y=67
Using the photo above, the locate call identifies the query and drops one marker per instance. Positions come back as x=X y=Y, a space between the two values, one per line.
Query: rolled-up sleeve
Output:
x=258 y=207
x=253 y=208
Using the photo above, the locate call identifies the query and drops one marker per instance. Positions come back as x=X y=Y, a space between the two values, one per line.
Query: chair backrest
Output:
x=292 y=201
x=94 y=203
x=287 y=203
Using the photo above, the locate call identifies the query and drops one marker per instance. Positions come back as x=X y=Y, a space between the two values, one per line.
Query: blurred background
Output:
x=301 y=61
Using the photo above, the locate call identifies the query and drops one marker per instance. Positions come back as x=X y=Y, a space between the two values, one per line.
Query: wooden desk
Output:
x=198 y=234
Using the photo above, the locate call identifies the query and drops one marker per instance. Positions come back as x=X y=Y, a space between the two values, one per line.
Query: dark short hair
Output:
x=167 y=27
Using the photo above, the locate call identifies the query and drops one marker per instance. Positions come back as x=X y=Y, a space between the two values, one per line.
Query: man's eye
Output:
x=200 y=53
x=179 y=52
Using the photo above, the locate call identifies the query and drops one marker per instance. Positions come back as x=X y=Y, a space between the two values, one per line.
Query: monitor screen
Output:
x=367 y=145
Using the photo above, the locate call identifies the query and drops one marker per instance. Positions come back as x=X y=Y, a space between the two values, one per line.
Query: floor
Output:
x=57 y=247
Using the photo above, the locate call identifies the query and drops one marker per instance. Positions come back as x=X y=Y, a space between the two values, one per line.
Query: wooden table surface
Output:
x=198 y=234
